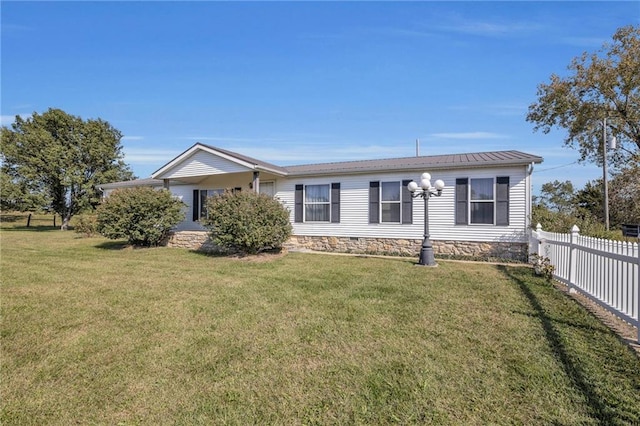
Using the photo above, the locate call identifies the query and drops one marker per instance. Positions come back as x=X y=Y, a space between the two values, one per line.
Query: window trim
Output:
x=483 y=201
x=398 y=202
x=375 y=202
x=306 y=203
x=299 y=203
x=273 y=182
x=501 y=188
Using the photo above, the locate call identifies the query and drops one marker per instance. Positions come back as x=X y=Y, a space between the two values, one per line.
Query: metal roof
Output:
x=422 y=163
x=451 y=161
x=132 y=183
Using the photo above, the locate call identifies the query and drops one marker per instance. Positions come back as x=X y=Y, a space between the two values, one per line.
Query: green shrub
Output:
x=247 y=222
x=588 y=224
x=143 y=216
x=86 y=224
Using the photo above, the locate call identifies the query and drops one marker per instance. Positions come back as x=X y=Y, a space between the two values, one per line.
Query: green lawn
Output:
x=94 y=333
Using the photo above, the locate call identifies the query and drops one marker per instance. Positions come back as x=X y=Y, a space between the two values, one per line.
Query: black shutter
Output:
x=196 y=204
x=462 y=205
x=407 y=203
x=374 y=202
x=299 y=205
x=502 y=200
x=335 y=202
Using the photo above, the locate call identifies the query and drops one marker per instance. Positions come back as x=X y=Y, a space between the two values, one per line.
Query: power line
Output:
x=557 y=167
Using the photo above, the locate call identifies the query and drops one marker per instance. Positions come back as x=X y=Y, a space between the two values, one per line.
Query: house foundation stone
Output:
x=194 y=240
x=411 y=247
x=199 y=240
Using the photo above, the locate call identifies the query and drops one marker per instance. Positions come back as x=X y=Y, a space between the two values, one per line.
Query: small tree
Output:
x=143 y=215
x=247 y=222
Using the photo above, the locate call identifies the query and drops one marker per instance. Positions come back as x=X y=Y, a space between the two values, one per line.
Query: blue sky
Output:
x=305 y=82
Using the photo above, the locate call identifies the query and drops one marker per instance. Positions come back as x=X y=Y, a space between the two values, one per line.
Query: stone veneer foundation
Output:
x=194 y=240
x=198 y=240
x=411 y=247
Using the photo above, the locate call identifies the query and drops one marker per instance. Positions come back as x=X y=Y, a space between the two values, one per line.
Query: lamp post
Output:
x=426 y=191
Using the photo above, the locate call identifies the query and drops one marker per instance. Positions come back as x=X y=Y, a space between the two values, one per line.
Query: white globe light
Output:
x=412 y=187
x=425 y=175
x=439 y=185
x=425 y=183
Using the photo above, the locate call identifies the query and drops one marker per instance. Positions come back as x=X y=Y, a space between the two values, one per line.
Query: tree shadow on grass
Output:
x=32 y=229
x=263 y=256
x=598 y=408
x=113 y=245
x=12 y=217
x=584 y=327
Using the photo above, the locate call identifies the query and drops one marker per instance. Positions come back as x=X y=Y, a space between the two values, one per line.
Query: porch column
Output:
x=256 y=181
x=165 y=183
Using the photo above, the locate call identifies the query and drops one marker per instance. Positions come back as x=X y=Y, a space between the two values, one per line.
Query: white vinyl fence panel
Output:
x=605 y=270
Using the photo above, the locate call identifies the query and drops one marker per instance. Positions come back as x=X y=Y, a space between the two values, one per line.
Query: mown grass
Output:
x=96 y=333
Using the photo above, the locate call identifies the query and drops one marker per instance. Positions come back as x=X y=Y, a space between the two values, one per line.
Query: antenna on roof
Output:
x=417 y=147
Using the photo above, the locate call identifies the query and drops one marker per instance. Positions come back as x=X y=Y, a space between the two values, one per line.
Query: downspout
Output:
x=529 y=203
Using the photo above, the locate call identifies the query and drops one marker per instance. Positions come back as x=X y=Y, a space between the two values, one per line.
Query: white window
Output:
x=390 y=202
x=317 y=203
x=482 y=201
x=268 y=188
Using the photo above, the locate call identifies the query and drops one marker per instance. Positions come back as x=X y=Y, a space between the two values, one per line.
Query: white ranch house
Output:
x=364 y=206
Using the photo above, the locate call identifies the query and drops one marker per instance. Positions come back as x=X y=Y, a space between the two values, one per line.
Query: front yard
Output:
x=94 y=333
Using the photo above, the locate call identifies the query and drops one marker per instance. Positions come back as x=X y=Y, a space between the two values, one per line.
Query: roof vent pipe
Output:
x=417 y=147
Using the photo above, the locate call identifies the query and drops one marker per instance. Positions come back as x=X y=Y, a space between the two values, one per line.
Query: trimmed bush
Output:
x=86 y=224
x=247 y=222
x=143 y=216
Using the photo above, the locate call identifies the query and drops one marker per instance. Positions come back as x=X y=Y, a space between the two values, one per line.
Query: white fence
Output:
x=607 y=271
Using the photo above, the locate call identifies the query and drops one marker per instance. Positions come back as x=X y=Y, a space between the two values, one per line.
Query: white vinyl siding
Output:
x=203 y=164
x=354 y=206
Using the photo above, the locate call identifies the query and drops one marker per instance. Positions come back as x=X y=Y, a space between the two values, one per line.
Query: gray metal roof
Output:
x=132 y=183
x=421 y=163
x=430 y=162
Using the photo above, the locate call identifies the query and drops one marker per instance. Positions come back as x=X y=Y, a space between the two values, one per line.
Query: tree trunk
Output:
x=65 y=222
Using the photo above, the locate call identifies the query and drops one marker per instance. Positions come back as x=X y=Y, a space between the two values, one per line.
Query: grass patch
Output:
x=93 y=332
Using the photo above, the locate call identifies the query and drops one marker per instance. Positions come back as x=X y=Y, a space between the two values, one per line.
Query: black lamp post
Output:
x=427 y=191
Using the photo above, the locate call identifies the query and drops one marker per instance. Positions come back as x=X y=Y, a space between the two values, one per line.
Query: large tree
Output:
x=557 y=196
x=65 y=156
x=598 y=85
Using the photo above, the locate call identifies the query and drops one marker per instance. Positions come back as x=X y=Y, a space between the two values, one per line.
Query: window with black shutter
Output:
x=390 y=202
x=482 y=201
